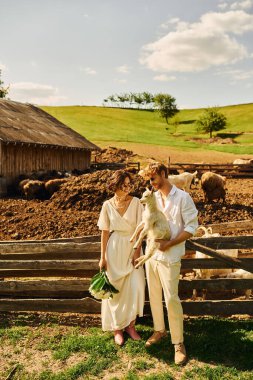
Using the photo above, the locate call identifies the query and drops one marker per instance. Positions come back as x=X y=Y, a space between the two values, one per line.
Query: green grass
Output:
x=106 y=125
x=218 y=348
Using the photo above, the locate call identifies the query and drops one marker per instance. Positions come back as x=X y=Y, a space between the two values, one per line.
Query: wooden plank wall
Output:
x=55 y=275
x=22 y=159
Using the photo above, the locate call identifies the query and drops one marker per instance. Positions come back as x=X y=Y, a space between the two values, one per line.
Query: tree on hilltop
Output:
x=211 y=121
x=166 y=105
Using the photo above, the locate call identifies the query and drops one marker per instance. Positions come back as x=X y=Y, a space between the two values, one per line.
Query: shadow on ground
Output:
x=227 y=342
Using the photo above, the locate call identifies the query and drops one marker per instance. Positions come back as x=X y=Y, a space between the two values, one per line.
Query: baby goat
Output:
x=154 y=226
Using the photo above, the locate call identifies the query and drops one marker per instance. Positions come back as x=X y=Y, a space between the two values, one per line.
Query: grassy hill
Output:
x=101 y=125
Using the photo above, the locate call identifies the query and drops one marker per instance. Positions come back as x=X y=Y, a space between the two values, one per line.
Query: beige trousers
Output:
x=164 y=276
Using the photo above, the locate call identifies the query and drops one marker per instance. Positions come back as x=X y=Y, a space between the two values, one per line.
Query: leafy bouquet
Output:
x=100 y=286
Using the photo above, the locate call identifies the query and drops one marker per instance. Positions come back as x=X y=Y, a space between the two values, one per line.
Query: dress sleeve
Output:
x=103 y=220
x=139 y=213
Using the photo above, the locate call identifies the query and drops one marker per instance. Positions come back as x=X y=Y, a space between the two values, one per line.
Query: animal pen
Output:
x=54 y=275
x=31 y=140
x=227 y=170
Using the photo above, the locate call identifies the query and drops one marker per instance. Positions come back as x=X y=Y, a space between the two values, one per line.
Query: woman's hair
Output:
x=156 y=168
x=117 y=179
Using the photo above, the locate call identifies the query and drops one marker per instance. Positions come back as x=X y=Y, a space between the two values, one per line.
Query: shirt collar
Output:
x=172 y=192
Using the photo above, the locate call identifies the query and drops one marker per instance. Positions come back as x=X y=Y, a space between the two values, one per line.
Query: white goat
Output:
x=240 y=161
x=154 y=226
x=183 y=180
x=208 y=273
x=241 y=273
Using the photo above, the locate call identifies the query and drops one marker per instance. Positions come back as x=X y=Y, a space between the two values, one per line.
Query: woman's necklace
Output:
x=120 y=202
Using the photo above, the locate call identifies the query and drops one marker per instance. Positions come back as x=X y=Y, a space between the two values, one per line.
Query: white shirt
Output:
x=181 y=214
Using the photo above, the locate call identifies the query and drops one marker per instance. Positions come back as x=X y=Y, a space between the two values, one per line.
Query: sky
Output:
x=78 y=52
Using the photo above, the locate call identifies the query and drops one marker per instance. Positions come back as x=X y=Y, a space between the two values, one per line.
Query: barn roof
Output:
x=25 y=123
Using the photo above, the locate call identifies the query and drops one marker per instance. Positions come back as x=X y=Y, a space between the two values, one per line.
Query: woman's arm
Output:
x=104 y=240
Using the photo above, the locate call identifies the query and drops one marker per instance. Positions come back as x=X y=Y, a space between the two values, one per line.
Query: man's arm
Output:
x=166 y=244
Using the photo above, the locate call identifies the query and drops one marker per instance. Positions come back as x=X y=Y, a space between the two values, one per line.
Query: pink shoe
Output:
x=118 y=337
x=130 y=330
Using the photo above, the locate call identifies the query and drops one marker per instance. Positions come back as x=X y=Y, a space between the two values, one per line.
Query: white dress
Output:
x=118 y=312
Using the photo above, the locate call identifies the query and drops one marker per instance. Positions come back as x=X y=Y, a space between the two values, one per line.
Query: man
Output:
x=163 y=269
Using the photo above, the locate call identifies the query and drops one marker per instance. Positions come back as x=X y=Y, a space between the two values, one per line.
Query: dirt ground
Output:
x=74 y=209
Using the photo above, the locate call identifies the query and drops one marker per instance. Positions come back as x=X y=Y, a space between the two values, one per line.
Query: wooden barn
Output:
x=32 y=140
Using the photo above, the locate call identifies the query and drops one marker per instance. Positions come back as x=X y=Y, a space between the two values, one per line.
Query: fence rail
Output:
x=227 y=170
x=114 y=165
x=54 y=276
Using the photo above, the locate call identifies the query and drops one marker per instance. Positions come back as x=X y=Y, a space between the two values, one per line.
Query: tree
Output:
x=3 y=90
x=166 y=105
x=148 y=99
x=211 y=121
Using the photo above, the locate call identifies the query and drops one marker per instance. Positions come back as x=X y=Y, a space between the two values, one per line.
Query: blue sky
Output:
x=66 y=52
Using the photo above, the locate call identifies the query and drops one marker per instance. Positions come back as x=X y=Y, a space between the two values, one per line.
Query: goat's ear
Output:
x=147 y=189
x=152 y=190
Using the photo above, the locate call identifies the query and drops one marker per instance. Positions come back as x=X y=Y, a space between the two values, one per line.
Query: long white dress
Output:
x=118 y=312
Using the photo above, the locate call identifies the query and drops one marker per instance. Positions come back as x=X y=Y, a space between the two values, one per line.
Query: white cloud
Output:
x=124 y=69
x=88 y=70
x=168 y=23
x=35 y=93
x=164 y=78
x=198 y=46
x=223 y=6
x=245 y=4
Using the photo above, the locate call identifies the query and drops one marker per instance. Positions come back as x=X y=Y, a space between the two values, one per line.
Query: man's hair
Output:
x=156 y=168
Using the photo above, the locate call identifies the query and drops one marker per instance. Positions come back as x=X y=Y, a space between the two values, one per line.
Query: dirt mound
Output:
x=113 y=154
x=88 y=192
x=74 y=209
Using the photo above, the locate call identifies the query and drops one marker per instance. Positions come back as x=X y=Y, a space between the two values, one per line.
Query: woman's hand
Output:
x=102 y=263
x=136 y=255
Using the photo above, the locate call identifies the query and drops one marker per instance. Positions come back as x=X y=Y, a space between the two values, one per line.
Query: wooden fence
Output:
x=54 y=275
x=227 y=170
x=114 y=165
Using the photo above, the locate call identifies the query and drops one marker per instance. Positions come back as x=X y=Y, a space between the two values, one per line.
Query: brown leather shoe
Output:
x=180 y=354
x=157 y=335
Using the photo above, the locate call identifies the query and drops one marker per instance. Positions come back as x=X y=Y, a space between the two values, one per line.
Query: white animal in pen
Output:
x=154 y=226
x=243 y=161
x=183 y=180
x=208 y=273
x=241 y=273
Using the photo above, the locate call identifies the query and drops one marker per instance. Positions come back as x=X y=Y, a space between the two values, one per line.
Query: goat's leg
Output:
x=204 y=292
x=194 y=294
x=247 y=294
x=149 y=252
x=137 y=230
x=140 y=238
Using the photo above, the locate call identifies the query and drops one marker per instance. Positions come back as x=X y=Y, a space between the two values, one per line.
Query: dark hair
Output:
x=157 y=168
x=117 y=179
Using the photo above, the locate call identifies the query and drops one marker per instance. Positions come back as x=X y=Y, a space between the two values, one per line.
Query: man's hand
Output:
x=163 y=244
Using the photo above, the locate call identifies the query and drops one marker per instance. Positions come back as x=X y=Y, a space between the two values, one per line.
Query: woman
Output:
x=119 y=216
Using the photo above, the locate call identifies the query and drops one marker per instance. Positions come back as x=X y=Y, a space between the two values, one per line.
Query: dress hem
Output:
x=121 y=327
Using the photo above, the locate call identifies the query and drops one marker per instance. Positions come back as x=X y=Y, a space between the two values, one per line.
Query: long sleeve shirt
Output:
x=182 y=215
